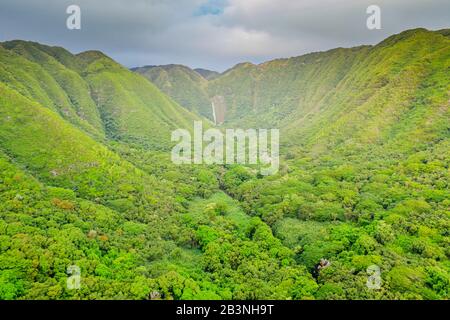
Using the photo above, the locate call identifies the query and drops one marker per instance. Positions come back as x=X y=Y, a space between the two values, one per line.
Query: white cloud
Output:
x=172 y=31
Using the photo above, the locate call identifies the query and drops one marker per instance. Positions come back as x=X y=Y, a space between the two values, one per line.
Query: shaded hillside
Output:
x=184 y=85
x=364 y=178
x=291 y=93
x=82 y=183
x=94 y=93
x=207 y=74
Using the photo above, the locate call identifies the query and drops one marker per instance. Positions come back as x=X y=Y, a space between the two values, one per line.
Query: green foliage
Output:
x=86 y=177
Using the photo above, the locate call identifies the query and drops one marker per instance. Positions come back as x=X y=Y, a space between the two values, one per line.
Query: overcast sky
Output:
x=213 y=34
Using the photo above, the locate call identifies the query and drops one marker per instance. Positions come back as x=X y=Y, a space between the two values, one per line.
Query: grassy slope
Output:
x=50 y=83
x=184 y=85
x=58 y=185
x=366 y=180
x=207 y=74
x=398 y=88
x=366 y=175
x=94 y=93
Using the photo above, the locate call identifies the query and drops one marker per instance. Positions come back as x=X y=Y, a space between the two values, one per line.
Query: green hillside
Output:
x=207 y=74
x=184 y=85
x=366 y=173
x=86 y=177
x=292 y=93
x=400 y=82
x=40 y=77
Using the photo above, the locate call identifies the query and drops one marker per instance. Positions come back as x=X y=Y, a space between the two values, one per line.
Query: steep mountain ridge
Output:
x=184 y=85
x=94 y=93
x=289 y=93
x=381 y=90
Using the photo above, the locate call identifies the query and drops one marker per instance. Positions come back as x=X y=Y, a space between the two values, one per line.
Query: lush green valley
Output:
x=86 y=177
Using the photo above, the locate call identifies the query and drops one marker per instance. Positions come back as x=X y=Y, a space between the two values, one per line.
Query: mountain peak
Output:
x=242 y=65
x=407 y=34
x=92 y=55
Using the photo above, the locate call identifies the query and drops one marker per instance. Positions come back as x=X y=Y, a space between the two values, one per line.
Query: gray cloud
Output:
x=214 y=34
